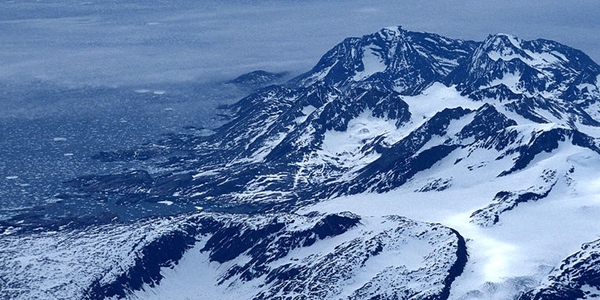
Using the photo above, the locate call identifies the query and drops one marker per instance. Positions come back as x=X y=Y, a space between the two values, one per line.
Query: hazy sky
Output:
x=120 y=43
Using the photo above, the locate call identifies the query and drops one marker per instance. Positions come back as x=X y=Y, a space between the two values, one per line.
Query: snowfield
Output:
x=527 y=243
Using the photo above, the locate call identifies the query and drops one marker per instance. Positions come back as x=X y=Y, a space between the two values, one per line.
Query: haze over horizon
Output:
x=78 y=43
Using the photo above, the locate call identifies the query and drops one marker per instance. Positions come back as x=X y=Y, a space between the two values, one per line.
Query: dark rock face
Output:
x=266 y=244
x=486 y=124
x=546 y=142
x=505 y=201
x=256 y=79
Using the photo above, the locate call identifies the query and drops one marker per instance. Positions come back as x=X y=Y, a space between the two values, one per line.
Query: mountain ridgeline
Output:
x=390 y=111
x=348 y=125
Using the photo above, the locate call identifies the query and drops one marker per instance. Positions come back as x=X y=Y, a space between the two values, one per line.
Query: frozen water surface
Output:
x=49 y=133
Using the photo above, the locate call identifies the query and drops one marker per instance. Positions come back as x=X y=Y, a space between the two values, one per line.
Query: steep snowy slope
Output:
x=218 y=256
x=494 y=141
x=336 y=257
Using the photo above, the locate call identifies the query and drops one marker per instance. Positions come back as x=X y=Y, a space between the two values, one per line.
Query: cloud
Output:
x=136 y=42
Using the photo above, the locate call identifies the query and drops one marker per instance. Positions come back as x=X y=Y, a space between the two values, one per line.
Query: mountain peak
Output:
x=500 y=36
x=529 y=67
x=504 y=46
x=391 y=33
x=390 y=59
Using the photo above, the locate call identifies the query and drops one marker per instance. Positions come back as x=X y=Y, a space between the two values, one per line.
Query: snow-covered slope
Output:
x=494 y=141
x=206 y=256
x=329 y=257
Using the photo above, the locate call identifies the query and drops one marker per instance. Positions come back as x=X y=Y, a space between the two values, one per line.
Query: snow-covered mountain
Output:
x=404 y=165
x=216 y=256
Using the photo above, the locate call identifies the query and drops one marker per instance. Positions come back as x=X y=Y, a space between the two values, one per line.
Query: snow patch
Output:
x=434 y=99
x=510 y=80
x=306 y=111
x=205 y=173
x=345 y=148
x=360 y=129
x=372 y=63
